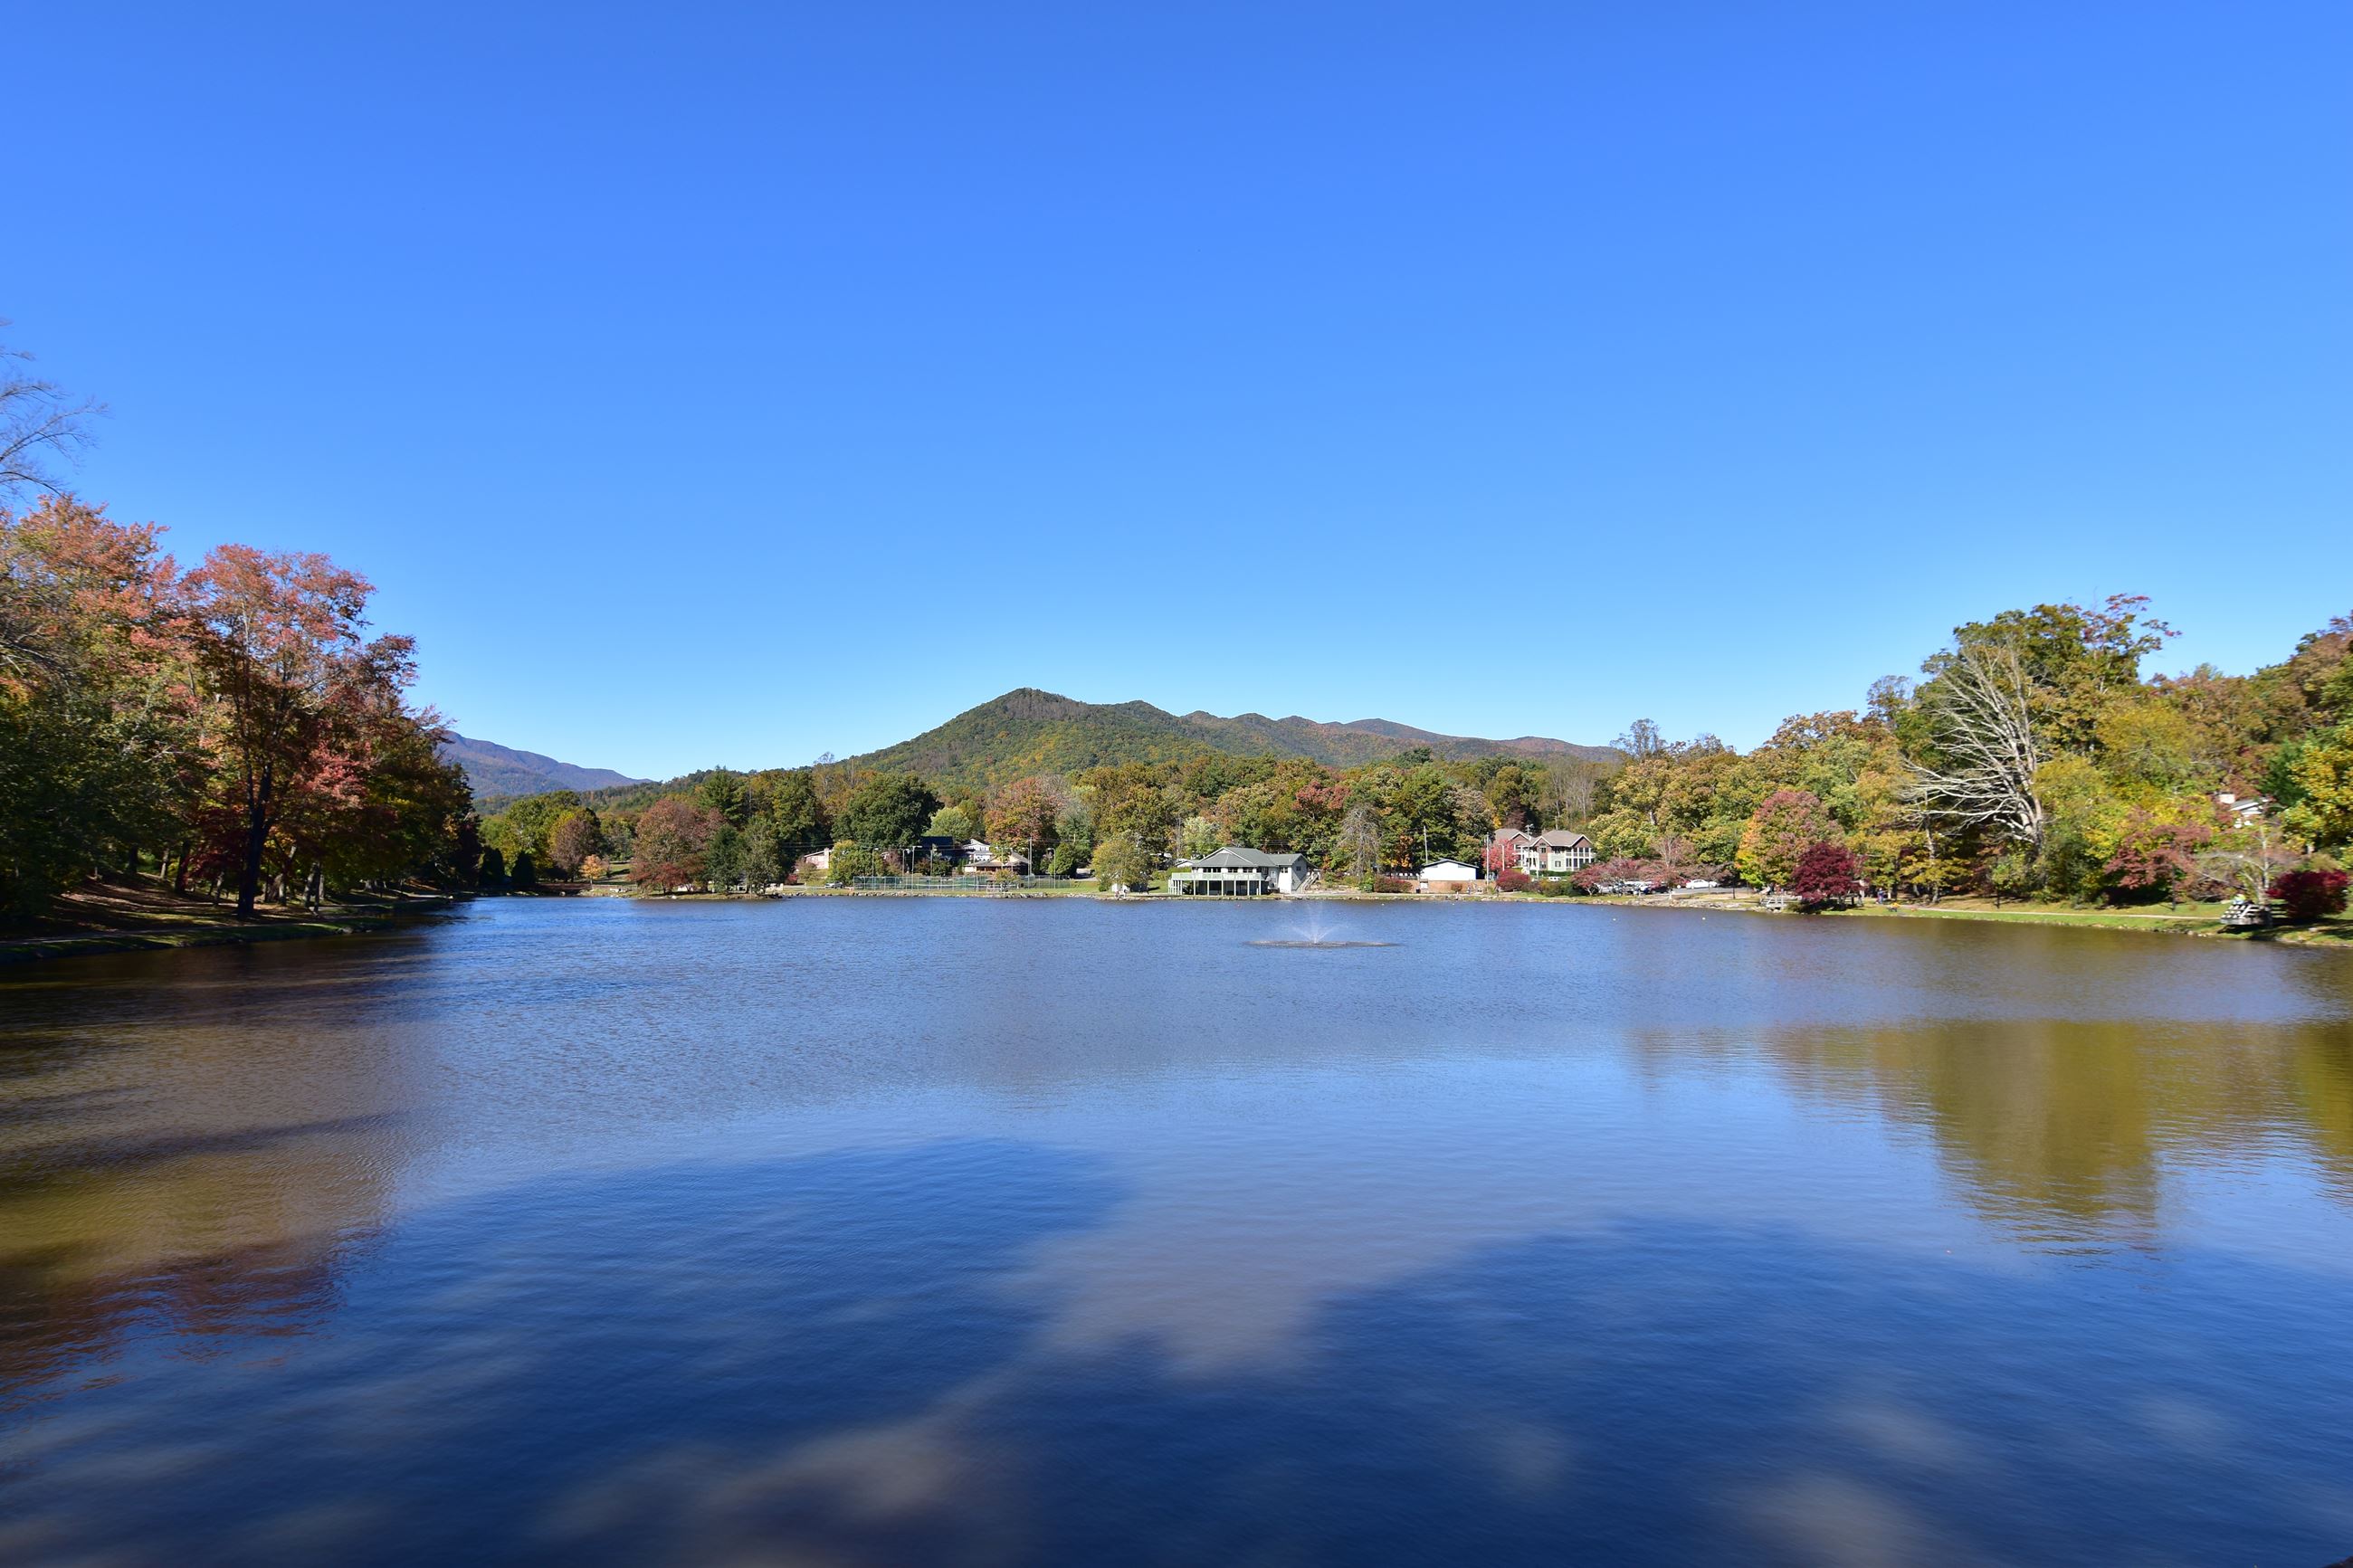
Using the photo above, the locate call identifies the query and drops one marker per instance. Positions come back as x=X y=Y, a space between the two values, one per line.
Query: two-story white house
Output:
x=1237 y=872
x=1555 y=852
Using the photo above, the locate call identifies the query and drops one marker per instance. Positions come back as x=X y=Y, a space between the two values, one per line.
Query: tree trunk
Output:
x=180 y=871
x=257 y=833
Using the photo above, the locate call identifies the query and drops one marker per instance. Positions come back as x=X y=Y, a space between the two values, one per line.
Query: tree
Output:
x=2154 y=856
x=801 y=824
x=955 y=822
x=277 y=638
x=1981 y=749
x=1023 y=815
x=851 y=861
x=576 y=836
x=1784 y=826
x=671 y=837
x=888 y=811
x=1512 y=795
x=593 y=868
x=2322 y=779
x=1359 y=845
x=2311 y=895
x=493 y=871
x=529 y=823
x=526 y=874
x=722 y=855
x=40 y=426
x=2243 y=860
x=762 y=864
x=1827 y=873
x=1642 y=739
x=1201 y=836
x=1120 y=862
x=724 y=791
x=99 y=737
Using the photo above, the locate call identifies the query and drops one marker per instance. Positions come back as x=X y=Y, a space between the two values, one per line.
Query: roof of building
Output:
x=1235 y=858
x=1448 y=864
x=1561 y=838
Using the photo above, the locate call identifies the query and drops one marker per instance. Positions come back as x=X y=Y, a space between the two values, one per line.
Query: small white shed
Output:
x=1449 y=877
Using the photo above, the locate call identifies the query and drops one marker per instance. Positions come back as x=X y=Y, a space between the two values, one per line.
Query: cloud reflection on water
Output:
x=1810 y=1246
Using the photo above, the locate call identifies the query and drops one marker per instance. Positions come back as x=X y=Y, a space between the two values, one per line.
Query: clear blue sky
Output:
x=708 y=384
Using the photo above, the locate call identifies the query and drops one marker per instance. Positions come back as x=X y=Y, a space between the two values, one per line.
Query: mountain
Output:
x=1031 y=732
x=499 y=771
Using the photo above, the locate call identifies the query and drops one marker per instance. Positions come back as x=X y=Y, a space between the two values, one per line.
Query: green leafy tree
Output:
x=1120 y=862
x=493 y=872
x=722 y=856
x=724 y=791
x=954 y=821
x=888 y=812
x=851 y=861
x=2322 y=777
x=527 y=826
x=761 y=863
x=1201 y=836
x=802 y=825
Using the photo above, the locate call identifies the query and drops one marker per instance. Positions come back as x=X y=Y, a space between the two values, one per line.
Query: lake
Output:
x=868 y=1231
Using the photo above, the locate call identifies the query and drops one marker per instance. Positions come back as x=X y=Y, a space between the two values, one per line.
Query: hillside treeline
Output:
x=733 y=829
x=2031 y=758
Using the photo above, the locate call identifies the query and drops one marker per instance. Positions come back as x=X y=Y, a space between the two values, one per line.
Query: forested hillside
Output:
x=1029 y=732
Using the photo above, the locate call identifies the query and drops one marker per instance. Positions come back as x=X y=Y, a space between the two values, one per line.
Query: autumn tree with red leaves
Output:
x=1826 y=873
x=307 y=717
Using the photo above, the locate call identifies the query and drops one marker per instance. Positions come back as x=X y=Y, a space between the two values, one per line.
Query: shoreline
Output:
x=2335 y=933
x=219 y=932
x=2331 y=935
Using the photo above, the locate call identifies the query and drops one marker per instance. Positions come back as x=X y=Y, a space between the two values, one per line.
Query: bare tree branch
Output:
x=1981 y=719
x=39 y=427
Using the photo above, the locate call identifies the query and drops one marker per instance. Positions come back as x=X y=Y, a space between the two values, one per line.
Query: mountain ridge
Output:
x=499 y=772
x=1031 y=731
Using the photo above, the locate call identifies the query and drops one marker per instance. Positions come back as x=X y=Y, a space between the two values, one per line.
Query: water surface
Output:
x=931 y=1231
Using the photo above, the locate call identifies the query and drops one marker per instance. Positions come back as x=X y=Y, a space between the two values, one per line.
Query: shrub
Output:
x=2309 y=895
x=1393 y=884
x=1512 y=879
x=1622 y=872
x=1826 y=874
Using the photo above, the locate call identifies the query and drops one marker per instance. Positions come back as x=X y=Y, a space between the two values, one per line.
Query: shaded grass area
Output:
x=129 y=914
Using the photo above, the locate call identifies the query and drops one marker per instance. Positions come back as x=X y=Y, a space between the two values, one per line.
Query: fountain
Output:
x=1314 y=934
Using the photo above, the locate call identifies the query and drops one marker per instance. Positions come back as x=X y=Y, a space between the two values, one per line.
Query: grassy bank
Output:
x=140 y=914
x=2199 y=920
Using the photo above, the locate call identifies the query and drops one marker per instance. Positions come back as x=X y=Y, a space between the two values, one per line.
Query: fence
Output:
x=912 y=884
